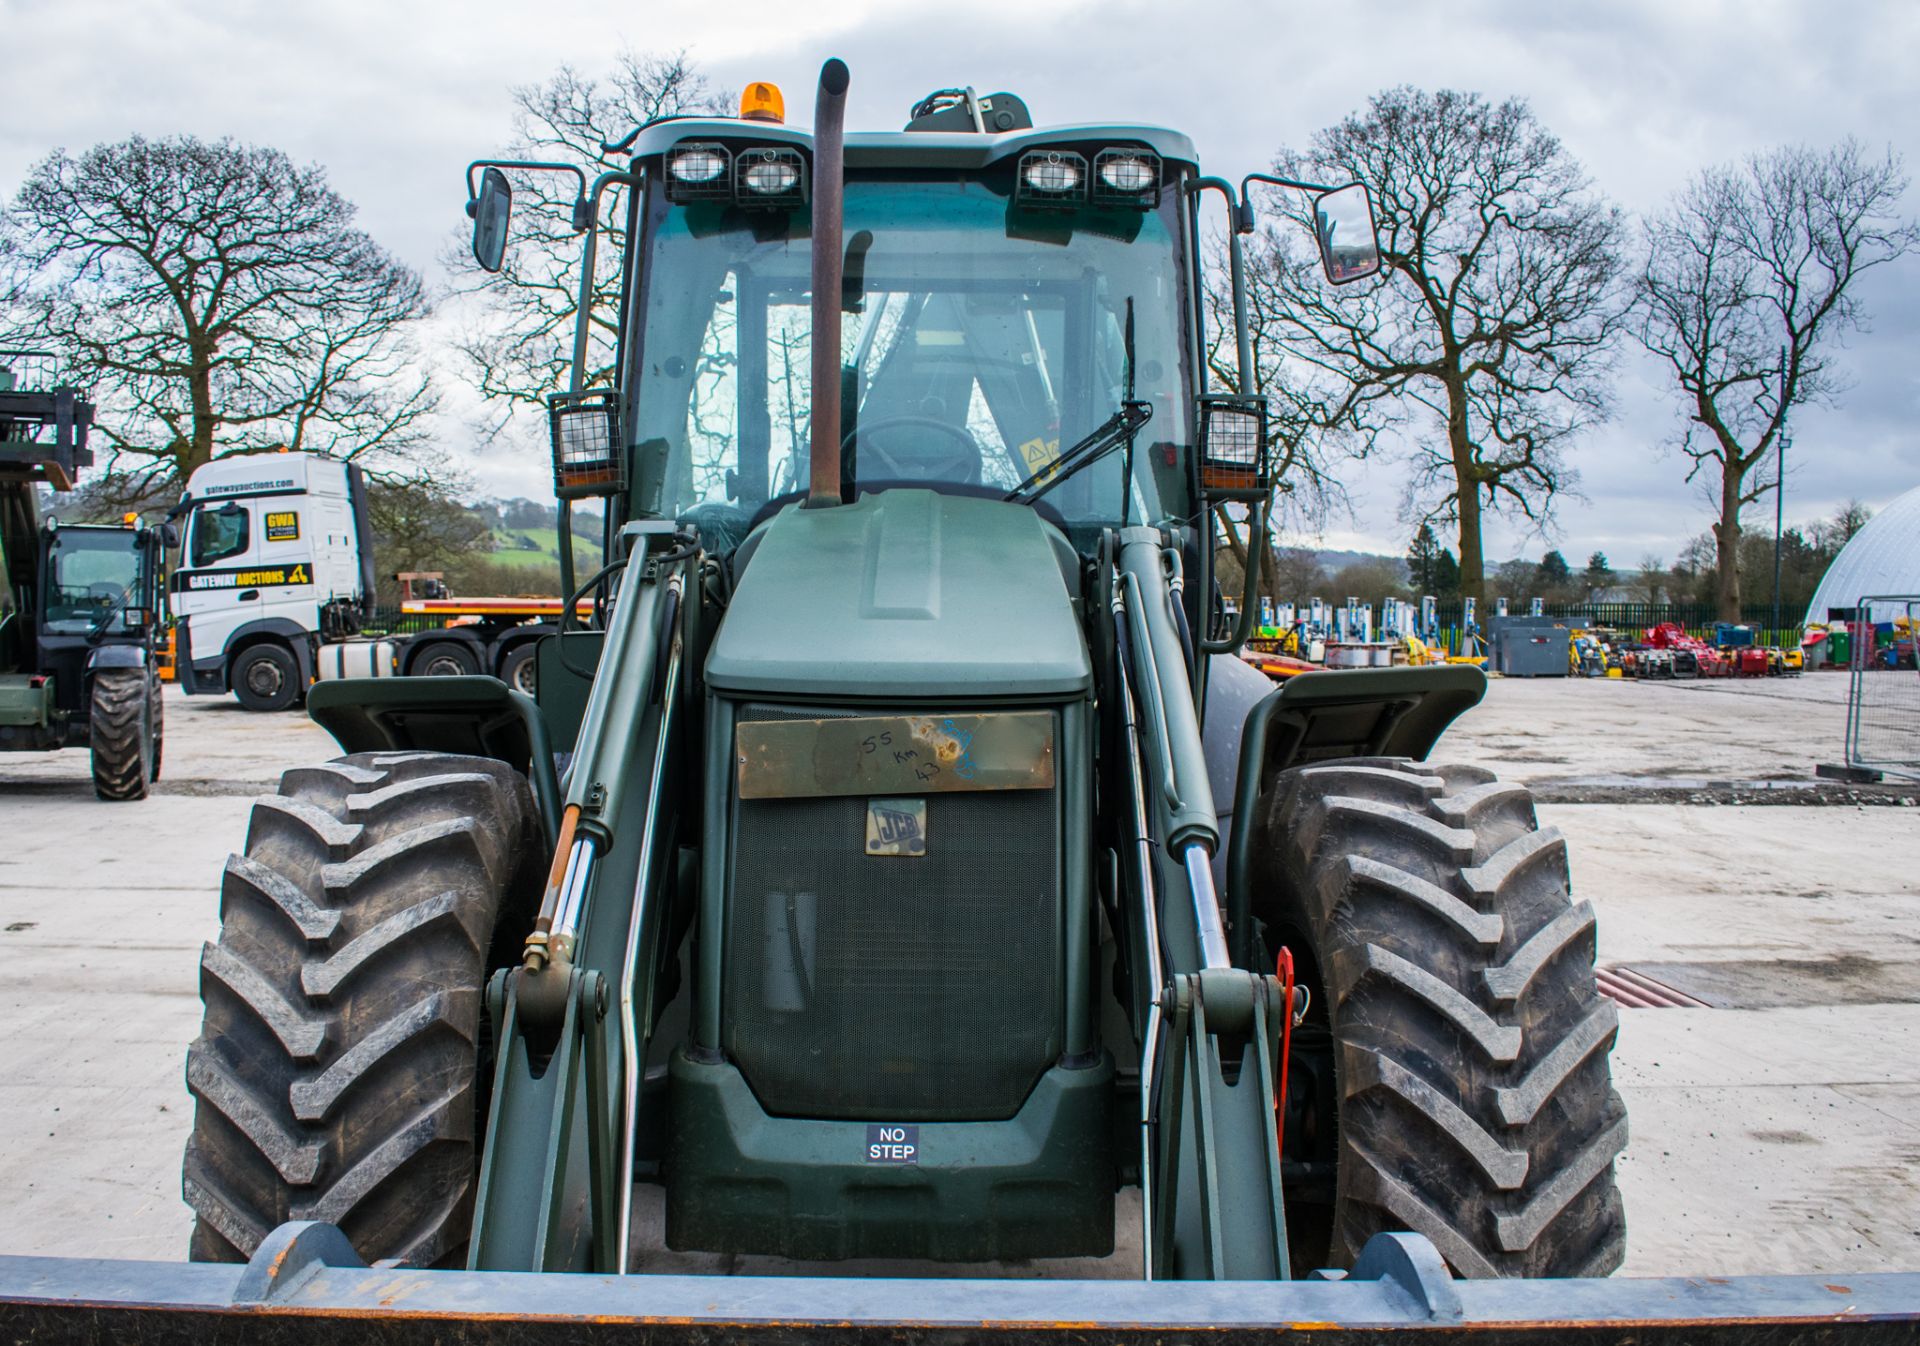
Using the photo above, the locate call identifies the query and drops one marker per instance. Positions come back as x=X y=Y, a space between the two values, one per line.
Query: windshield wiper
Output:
x=1117 y=430
x=98 y=629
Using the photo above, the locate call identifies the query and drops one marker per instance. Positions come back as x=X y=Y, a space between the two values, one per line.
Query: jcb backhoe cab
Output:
x=77 y=636
x=891 y=871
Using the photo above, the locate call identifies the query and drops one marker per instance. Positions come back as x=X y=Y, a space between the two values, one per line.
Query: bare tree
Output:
x=1652 y=579
x=1746 y=286
x=1311 y=428
x=1486 y=343
x=218 y=299
x=521 y=342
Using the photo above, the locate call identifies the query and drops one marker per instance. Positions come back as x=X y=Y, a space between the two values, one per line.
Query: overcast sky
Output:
x=395 y=98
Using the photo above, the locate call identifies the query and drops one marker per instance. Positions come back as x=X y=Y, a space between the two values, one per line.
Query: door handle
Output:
x=248 y=595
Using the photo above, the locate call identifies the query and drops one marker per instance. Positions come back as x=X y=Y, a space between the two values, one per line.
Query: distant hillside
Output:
x=1333 y=561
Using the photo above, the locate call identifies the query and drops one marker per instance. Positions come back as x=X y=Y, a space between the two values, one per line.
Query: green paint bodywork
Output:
x=1040 y=1184
x=24 y=705
x=906 y=595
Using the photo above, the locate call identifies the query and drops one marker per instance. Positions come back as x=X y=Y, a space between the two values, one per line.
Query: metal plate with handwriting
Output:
x=894 y=755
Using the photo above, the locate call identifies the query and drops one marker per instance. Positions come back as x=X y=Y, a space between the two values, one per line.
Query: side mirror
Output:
x=1343 y=221
x=490 y=211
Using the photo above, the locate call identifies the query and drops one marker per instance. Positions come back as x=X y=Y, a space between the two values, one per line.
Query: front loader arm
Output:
x=1210 y=1172
x=573 y=1019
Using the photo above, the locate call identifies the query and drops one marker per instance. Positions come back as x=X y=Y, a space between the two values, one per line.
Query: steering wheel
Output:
x=960 y=462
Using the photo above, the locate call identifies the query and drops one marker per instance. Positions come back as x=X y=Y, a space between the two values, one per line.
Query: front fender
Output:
x=1324 y=717
x=117 y=656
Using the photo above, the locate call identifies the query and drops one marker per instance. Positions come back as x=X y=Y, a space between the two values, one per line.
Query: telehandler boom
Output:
x=894 y=895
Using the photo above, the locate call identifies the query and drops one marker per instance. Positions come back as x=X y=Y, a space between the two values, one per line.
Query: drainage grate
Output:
x=1636 y=990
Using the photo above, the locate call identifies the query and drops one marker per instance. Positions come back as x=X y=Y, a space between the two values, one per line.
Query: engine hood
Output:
x=904 y=594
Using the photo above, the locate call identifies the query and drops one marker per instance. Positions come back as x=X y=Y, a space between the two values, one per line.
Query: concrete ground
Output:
x=1777 y=1131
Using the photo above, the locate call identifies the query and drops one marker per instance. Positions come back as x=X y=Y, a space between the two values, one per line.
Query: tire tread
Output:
x=336 y=1072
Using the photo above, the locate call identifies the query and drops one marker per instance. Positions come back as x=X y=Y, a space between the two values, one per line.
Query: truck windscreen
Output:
x=979 y=341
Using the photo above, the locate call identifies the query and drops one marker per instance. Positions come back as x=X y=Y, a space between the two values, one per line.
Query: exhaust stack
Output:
x=829 y=176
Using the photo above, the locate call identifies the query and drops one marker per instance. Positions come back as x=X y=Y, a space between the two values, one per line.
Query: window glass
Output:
x=93 y=576
x=220 y=533
x=976 y=346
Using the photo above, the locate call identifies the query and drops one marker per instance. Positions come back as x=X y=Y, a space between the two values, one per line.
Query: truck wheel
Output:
x=265 y=677
x=336 y=1071
x=1451 y=1076
x=445 y=659
x=121 y=733
x=516 y=670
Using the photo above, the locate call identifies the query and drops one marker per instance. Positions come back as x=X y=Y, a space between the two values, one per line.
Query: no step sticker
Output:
x=892 y=1143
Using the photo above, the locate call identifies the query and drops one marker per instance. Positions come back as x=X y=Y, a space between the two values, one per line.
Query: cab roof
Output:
x=961 y=150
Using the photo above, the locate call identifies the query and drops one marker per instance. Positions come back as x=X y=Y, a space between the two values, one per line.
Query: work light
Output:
x=1233 y=448
x=587 y=456
x=773 y=176
x=1126 y=177
x=1052 y=178
x=698 y=172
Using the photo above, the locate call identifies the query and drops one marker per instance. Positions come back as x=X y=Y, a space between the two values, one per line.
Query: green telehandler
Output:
x=80 y=604
x=896 y=918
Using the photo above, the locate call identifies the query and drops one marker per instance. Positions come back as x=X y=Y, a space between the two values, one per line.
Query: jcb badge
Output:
x=896 y=827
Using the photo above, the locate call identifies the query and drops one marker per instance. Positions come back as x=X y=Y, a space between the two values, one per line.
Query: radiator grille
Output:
x=893 y=989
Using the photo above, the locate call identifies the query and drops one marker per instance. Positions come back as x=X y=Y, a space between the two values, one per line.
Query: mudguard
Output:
x=475 y=716
x=1322 y=717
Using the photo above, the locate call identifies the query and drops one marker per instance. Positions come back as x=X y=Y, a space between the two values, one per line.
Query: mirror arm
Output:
x=589 y=206
x=1237 y=209
x=532 y=165
x=1257 y=526
x=1273 y=181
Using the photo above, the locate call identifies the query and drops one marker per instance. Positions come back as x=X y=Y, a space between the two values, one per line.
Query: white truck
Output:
x=276 y=580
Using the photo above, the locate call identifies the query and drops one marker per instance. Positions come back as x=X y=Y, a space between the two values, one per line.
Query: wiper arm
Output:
x=1117 y=430
x=98 y=629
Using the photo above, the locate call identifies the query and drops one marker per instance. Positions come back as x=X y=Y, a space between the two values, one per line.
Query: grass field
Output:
x=534 y=548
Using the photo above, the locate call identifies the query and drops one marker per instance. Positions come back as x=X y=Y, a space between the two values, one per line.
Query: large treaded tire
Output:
x=336 y=1069
x=120 y=730
x=1453 y=984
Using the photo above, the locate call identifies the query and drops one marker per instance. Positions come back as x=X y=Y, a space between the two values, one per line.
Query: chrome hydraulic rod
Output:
x=1150 y=927
x=632 y=1063
x=573 y=889
x=1206 y=905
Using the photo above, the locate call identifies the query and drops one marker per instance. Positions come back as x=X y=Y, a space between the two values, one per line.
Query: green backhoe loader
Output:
x=895 y=919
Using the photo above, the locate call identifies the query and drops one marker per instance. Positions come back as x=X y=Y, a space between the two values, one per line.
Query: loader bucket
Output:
x=305 y=1284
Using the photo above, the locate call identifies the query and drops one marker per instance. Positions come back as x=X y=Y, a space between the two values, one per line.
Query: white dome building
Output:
x=1882 y=558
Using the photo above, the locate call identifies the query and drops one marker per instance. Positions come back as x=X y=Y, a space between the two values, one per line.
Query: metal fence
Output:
x=1883 y=702
x=1695 y=618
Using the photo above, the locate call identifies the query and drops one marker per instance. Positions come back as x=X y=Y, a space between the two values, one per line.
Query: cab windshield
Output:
x=93 y=576
x=979 y=342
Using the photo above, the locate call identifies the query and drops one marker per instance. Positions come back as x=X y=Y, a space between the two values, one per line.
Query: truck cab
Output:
x=278 y=557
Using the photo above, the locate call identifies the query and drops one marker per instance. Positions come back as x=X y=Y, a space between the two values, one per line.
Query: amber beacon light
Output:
x=763 y=103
